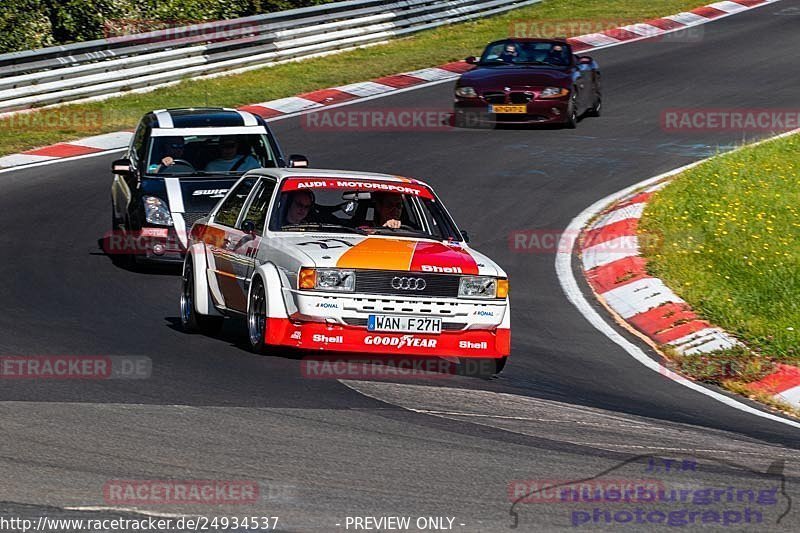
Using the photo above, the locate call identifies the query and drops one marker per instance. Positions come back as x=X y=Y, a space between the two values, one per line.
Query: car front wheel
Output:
x=572 y=111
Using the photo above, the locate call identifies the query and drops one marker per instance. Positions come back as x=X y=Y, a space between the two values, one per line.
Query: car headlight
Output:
x=466 y=92
x=156 y=211
x=327 y=279
x=482 y=287
x=553 y=92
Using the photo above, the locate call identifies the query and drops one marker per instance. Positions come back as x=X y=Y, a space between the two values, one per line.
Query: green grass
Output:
x=426 y=49
x=724 y=236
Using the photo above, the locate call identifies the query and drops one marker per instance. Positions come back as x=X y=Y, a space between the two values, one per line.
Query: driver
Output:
x=173 y=148
x=230 y=160
x=301 y=204
x=388 y=210
x=509 y=53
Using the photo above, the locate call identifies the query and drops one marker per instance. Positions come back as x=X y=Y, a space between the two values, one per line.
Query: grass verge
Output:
x=426 y=49
x=724 y=236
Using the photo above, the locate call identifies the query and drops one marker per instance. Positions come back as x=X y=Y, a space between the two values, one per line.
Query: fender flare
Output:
x=271 y=278
x=202 y=299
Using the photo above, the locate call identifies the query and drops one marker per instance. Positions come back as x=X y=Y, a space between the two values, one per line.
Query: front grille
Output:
x=380 y=282
x=494 y=97
x=193 y=217
x=520 y=98
x=446 y=326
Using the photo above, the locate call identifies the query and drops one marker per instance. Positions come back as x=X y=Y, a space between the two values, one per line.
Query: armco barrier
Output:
x=78 y=71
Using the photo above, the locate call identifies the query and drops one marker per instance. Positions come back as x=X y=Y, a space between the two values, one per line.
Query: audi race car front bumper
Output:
x=338 y=323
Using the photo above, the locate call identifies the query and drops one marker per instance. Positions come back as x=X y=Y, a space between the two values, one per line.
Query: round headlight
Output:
x=466 y=92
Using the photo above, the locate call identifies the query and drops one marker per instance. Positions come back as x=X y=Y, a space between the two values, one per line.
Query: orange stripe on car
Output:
x=379 y=254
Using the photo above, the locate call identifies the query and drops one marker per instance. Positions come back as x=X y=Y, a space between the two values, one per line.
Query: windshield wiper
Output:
x=319 y=225
x=539 y=63
x=381 y=229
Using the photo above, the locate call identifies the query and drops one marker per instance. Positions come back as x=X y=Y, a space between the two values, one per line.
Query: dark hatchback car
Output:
x=528 y=81
x=180 y=162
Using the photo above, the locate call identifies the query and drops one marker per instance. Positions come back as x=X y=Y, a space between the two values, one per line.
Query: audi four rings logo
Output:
x=408 y=284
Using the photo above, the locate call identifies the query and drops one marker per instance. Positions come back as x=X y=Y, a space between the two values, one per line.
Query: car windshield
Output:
x=526 y=53
x=209 y=154
x=368 y=207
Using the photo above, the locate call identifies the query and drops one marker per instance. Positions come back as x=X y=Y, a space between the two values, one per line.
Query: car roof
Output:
x=204 y=117
x=285 y=173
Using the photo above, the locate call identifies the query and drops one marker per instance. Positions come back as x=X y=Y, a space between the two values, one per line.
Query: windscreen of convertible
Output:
x=365 y=207
x=512 y=52
x=209 y=154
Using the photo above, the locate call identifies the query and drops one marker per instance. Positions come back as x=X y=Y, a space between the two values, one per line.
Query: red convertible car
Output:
x=528 y=81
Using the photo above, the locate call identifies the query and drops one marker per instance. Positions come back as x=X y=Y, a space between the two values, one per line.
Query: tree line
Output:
x=29 y=24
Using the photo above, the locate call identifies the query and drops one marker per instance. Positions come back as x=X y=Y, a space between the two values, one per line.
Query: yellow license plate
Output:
x=509 y=109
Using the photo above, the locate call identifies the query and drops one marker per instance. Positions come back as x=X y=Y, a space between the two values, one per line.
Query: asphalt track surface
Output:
x=573 y=404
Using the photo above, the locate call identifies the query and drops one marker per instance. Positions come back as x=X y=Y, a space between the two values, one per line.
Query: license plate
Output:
x=405 y=324
x=520 y=109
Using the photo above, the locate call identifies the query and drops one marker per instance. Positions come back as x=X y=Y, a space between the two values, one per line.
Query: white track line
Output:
x=570 y=286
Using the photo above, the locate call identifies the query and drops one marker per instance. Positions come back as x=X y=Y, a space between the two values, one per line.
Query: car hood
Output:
x=189 y=194
x=329 y=250
x=522 y=77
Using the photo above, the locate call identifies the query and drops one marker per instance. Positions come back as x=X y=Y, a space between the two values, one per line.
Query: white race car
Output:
x=344 y=261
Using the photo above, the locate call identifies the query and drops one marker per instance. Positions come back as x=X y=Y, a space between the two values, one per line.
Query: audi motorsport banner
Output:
x=294 y=184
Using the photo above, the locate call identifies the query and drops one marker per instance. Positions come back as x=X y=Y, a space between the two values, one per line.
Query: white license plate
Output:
x=404 y=324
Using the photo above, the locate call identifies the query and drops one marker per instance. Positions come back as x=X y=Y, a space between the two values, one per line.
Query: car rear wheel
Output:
x=481 y=367
x=257 y=317
x=191 y=321
x=596 y=108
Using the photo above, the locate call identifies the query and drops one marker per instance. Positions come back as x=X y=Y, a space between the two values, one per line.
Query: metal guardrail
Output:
x=108 y=67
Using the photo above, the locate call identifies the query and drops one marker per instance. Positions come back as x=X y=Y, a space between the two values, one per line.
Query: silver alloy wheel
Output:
x=257 y=315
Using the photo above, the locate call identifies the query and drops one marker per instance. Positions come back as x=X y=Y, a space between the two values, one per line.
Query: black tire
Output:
x=115 y=222
x=597 y=106
x=483 y=368
x=191 y=321
x=116 y=249
x=257 y=317
x=572 y=111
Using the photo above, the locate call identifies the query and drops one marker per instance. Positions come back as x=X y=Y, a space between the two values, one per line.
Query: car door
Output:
x=584 y=84
x=252 y=224
x=227 y=245
x=124 y=188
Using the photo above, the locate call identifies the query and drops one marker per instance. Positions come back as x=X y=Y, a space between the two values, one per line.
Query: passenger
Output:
x=230 y=160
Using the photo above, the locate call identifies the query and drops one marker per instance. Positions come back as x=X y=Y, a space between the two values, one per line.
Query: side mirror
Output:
x=249 y=227
x=122 y=167
x=465 y=235
x=471 y=60
x=585 y=60
x=298 y=161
